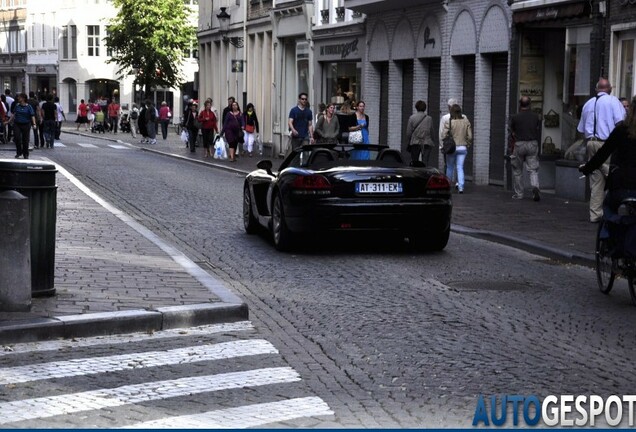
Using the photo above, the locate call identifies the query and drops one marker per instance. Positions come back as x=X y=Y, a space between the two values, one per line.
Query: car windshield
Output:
x=337 y=155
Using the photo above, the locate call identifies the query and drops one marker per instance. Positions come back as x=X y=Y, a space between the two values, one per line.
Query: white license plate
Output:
x=378 y=187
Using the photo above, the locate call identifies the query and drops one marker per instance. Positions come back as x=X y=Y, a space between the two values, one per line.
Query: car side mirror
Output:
x=265 y=165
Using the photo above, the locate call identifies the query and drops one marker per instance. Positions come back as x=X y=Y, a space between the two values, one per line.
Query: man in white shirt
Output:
x=599 y=117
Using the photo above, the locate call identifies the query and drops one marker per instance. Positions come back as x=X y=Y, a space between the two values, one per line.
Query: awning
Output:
x=571 y=10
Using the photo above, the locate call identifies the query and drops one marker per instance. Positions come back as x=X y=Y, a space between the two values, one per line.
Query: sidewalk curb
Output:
x=131 y=321
x=532 y=246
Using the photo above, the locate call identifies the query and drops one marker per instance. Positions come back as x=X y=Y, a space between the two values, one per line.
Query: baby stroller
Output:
x=98 y=123
x=124 y=124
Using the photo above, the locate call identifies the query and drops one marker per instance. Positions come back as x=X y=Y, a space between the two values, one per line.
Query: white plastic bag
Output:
x=220 y=148
x=259 y=144
x=184 y=136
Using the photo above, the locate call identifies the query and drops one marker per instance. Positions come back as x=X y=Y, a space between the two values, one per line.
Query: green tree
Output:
x=153 y=37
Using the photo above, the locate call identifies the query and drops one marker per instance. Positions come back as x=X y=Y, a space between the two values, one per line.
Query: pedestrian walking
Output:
x=228 y=108
x=94 y=108
x=328 y=126
x=525 y=128
x=151 y=122
x=165 y=115
x=361 y=126
x=599 y=117
x=38 y=119
x=190 y=123
x=300 y=123
x=233 y=129
x=142 y=123
x=419 y=135
x=134 y=119
x=345 y=119
x=23 y=119
x=250 y=127
x=461 y=131
x=621 y=146
x=61 y=117
x=113 y=115
x=49 y=119
x=209 y=127
x=82 y=115
x=10 y=104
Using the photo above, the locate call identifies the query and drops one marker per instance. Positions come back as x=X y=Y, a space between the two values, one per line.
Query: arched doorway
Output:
x=71 y=94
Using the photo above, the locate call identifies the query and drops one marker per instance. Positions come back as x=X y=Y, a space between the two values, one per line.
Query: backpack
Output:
x=134 y=115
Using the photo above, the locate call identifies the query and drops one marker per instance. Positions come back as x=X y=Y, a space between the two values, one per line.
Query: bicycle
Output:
x=611 y=257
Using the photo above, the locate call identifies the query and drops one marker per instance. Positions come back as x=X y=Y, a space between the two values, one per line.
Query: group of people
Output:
x=331 y=127
x=236 y=127
x=24 y=113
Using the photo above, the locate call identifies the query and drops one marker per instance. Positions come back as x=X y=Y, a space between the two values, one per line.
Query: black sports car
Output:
x=335 y=188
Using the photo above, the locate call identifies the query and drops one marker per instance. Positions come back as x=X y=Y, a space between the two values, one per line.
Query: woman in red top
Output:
x=82 y=115
x=164 y=118
x=209 y=126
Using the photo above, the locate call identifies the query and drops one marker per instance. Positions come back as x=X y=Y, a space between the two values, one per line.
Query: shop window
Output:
x=302 y=66
x=577 y=65
x=625 y=79
x=342 y=82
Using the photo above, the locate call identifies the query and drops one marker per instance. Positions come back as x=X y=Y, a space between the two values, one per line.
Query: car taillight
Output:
x=311 y=185
x=438 y=182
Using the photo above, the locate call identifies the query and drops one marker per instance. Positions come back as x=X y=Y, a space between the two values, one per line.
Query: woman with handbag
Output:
x=459 y=127
x=208 y=123
x=250 y=127
x=233 y=129
x=359 y=132
x=192 y=125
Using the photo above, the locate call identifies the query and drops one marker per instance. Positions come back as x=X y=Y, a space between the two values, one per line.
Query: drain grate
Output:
x=494 y=286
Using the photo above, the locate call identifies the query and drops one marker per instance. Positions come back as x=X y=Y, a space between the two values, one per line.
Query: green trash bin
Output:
x=36 y=180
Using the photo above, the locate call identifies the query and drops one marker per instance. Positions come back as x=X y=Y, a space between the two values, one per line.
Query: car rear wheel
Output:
x=249 y=221
x=280 y=233
x=425 y=241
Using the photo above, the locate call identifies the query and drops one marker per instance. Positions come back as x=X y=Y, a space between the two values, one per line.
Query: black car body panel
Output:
x=321 y=188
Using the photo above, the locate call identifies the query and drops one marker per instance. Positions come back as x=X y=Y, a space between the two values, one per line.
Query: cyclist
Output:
x=621 y=146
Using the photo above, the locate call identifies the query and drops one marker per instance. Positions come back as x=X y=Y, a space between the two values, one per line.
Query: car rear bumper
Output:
x=406 y=216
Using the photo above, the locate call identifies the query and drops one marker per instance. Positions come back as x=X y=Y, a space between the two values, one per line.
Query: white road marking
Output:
x=30 y=409
x=119 y=147
x=124 y=338
x=95 y=365
x=245 y=416
x=85 y=145
x=58 y=144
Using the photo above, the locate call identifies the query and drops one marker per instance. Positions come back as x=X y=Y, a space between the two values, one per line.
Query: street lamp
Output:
x=224 y=25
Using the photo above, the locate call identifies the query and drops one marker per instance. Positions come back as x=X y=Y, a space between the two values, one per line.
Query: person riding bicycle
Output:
x=621 y=146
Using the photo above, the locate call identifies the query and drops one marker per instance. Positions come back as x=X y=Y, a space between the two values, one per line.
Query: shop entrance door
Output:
x=499 y=63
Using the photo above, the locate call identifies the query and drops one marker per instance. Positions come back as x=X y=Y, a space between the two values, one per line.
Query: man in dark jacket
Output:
x=525 y=127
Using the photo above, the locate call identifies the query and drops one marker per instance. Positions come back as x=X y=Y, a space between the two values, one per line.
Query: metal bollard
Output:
x=15 y=253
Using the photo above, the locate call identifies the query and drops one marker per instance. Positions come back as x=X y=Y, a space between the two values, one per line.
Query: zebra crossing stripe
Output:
x=95 y=365
x=245 y=416
x=87 y=145
x=119 y=146
x=32 y=409
x=57 y=345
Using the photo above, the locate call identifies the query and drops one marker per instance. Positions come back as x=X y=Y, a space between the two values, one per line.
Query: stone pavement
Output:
x=131 y=281
x=554 y=227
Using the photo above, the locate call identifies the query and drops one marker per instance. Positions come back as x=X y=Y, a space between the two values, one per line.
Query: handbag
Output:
x=448 y=143
x=196 y=123
x=355 y=137
x=249 y=128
